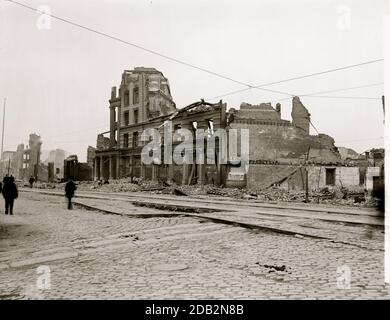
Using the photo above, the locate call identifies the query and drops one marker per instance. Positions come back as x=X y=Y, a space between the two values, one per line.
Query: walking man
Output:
x=10 y=193
x=31 y=181
x=70 y=188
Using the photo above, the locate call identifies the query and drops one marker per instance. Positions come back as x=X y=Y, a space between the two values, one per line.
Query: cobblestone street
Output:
x=92 y=255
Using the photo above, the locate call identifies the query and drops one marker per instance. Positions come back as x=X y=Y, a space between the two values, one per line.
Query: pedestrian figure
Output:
x=10 y=193
x=6 y=177
x=70 y=188
x=31 y=181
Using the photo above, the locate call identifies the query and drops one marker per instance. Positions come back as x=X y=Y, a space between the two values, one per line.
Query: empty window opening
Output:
x=126 y=118
x=127 y=98
x=135 y=139
x=135 y=95
x=135 y=116
x=126 y=140
x=330 y=176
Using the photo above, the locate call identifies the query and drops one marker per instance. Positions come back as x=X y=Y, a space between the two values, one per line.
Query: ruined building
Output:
x=56 y=162
x=27 y=158
x=279 y=150
x=8 y=163
x=279 y=140
x=280 y=147
x=75 y=170
x=144 y=101
x=90 y=156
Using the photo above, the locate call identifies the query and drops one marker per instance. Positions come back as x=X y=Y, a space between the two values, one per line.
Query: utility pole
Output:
x=2 y=136
x=383 y=105
x=307 y=177
x=38 y=155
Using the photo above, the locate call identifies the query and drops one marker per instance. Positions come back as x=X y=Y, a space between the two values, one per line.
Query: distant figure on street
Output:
x=10 y=193
x=31 y=181
x=70 y=188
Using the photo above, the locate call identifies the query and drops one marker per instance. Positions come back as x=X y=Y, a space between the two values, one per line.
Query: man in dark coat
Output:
x=10 y=193
x=31 y=181
x=70 y=188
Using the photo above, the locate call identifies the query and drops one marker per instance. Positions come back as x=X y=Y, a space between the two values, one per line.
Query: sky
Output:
x=57 y=78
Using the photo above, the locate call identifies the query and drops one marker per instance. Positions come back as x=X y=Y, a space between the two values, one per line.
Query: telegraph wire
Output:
x=314 y=94
x=345 y=89
x=343 y=97
x=298 y=77
x=248 y=86
x=357 y=140
x=143 y=48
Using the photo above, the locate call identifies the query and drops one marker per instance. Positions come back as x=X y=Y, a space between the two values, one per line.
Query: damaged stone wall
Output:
x=102 y=142
x=293 y=177
x=272 y=138
x=344 y=177
x=90 y=155
x=261 y=176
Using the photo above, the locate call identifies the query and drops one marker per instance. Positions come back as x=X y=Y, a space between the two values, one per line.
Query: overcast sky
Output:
x=58 y=81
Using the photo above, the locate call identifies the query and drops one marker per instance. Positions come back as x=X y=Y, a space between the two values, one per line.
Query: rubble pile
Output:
x=328 y=195
x=117 y=185
x=210 y=190
x=279 y=194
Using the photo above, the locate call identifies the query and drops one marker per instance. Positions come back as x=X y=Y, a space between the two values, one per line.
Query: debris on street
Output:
x=327 y=195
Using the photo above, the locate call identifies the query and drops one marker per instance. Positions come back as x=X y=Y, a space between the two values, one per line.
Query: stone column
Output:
x=101 y=176
x=112 y=118
x=117 y=173
x=131 y=166
x=110 y=167
x=201 y=151
x=187 y=166
x=170 y=173
x=154 y=172
x=168 y=151
x=142 y=173
x=95 y=169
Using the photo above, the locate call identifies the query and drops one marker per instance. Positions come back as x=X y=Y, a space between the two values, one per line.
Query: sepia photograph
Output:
x=193 y=150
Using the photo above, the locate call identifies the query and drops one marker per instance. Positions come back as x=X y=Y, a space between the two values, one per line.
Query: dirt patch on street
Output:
x=10 y=232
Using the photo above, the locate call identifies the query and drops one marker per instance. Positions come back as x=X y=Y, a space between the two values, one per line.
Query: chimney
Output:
x=278 y=108
x=113 y=92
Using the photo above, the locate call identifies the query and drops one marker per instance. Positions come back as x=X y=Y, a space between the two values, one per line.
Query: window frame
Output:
x=135 y=95
x=126 y=118
x=126 y=140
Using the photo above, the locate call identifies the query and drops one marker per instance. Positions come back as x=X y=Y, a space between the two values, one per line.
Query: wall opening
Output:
x=126 y=116
x=135 y=95
x=135 y=139
x=126 y=140
x=135 y=116
x=127 y=98
x=330 y=176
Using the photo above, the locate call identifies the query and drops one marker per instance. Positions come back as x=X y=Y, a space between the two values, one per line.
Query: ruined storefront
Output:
x=144 y=102
x=279 y=151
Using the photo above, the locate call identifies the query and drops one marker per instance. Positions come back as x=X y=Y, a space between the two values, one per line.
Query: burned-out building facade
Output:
x=144 y=101
x=28 y=158
x=279 y=140
x=55 y=163
x=280 y=151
